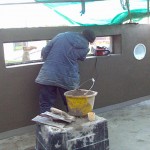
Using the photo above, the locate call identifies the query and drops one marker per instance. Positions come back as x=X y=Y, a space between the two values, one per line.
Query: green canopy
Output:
x=37 y=13
x=106 y=12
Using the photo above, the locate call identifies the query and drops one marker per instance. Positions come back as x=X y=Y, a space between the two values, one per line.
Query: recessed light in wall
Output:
x=139 y=51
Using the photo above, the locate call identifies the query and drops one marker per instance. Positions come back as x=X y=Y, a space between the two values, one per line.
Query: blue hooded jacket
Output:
x=61 y=57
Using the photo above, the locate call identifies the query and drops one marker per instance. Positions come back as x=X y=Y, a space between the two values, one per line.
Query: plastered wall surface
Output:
x=119 y=77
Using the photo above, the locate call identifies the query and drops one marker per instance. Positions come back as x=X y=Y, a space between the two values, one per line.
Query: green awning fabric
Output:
x=106 y=12
x=41 y=13
x=136 y=16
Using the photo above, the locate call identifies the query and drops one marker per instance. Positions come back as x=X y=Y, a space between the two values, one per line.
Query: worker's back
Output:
x=60 y=55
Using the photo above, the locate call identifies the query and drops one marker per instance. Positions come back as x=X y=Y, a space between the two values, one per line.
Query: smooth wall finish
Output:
x=119 y=77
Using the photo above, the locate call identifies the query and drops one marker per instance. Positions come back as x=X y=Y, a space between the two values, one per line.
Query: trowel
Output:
x=59 y=115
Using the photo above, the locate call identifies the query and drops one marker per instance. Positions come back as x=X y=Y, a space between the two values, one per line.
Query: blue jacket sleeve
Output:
x=81 y=54
x=45 y=50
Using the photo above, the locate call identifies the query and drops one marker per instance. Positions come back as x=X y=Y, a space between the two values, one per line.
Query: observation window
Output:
x=23 y=52
x=102 y=46
x=26 y=52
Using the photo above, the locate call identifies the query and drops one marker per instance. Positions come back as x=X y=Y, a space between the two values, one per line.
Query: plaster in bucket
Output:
x=80 y=101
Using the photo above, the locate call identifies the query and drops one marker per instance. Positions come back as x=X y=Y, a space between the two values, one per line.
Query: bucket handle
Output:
x=93 y=80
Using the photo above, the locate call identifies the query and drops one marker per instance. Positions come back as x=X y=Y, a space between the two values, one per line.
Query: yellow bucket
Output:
x=80 y=101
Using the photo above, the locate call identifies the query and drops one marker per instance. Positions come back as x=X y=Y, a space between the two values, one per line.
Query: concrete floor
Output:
x=22 y=142
x=128 y=127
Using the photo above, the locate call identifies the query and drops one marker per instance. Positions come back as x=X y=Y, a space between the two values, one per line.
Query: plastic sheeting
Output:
x=43 y=13
x=106 y=12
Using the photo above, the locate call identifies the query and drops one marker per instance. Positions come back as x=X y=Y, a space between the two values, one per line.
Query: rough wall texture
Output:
x=119 y=78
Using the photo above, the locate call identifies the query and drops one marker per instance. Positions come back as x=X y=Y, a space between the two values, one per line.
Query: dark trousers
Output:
x=48 y=95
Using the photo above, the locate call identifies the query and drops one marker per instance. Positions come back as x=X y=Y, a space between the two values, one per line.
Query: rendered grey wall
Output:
x=119 y=77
